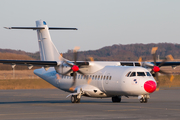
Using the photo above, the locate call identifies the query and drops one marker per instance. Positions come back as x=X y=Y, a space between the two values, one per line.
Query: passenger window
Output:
x=84 y=76
x=133 y=74
x=98 y=77
x=101 y=77
x=110 y=78
x=78 y=76
x=107 y=77
x=92 y=77
x=141 y=74
x=95 y=77
x=128 y=74
x=104 y=77
x=148 y=74
x=81 y=76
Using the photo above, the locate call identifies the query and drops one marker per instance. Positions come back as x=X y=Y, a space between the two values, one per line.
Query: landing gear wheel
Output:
x=116 y=99
x=74 y=99
x=143 y=100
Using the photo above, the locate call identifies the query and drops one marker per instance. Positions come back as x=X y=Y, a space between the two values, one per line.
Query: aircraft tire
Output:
x=143 y=100
x=116 y=99
x=78 y=100
x=74 y=99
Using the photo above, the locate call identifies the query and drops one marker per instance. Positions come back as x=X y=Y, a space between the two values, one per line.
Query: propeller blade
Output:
x=153 y=52
x=68 y=63
x=75 y=53
x=67 y=72
x=75 y=57
x=165 y=60
x=158 y=82
x=154 y=49
x=154 y=59
x=58 y=76
x=74 y=81
x=140 y=60
x=89 y=80
x=172 y=77
x=91 y=59
x=163 y=72
x=170 y=57
x=81 y=72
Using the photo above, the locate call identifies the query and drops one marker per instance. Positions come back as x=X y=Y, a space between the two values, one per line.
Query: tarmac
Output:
x=52 y=104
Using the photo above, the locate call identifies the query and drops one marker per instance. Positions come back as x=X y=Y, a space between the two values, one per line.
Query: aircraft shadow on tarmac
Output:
x=56 y=101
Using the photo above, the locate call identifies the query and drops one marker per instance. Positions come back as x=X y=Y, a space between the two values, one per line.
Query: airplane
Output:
x=98 y=79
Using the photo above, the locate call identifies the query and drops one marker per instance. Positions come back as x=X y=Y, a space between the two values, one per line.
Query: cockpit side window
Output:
x=133 y=74
x=127 y=75
x=141 y=74
x=148 y=74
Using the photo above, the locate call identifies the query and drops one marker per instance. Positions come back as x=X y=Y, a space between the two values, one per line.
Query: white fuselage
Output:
x=107 y=82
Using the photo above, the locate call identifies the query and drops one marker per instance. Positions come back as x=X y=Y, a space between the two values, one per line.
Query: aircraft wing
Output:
x=168 y=63
x=30 y=62
x=36 y=63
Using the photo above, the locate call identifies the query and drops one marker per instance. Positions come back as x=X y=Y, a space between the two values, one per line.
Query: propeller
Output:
x=156 y=68
x=74 y=68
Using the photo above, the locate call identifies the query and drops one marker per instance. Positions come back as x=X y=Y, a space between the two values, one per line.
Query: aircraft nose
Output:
x=150 y=86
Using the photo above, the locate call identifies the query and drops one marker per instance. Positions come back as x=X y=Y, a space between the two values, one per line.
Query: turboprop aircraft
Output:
x=97 y=79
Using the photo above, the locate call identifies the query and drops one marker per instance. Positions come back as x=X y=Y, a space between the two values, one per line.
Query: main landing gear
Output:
x=75 y=99
x=116 y=99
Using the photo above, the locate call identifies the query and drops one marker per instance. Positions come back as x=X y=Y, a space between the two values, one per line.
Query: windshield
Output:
x=141 y=74
x=132 y=74
x=148 y=74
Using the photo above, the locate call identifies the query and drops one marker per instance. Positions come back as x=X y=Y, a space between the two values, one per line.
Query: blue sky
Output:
x=100 y=22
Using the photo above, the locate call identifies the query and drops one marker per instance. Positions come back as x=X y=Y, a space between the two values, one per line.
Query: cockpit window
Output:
x=141 y=74
x=133 y=74
x=128 y=74
x=148 y=74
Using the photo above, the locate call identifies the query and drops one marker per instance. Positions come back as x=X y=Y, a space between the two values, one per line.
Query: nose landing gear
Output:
x=143 y=98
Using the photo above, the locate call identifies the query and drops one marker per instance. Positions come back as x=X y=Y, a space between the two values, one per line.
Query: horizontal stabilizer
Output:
x=56 y=28
x=39 y=28
x=34 y=28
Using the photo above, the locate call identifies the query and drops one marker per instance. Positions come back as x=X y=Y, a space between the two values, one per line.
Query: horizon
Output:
x=93 y=50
